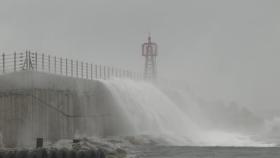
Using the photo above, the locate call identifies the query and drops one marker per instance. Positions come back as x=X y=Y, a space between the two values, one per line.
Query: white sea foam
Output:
x=150 y=112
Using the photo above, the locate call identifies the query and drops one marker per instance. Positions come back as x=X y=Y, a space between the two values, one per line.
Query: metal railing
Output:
x=62 y=66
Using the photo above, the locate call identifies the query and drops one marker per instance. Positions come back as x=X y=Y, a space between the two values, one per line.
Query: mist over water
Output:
x=177 y=118
x=227 y=51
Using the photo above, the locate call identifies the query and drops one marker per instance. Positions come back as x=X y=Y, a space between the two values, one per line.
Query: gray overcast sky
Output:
x=224 y=49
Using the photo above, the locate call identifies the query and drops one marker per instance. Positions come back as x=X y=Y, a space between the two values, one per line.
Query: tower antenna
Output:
x=149 y=51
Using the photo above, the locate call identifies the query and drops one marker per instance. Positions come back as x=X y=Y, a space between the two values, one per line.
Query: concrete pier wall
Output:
x=53 y=107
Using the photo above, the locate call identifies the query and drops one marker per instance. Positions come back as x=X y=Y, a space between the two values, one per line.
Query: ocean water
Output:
x=205 y=152
x=131 y=147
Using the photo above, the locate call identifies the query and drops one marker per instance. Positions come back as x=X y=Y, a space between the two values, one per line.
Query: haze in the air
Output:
x=220 y=49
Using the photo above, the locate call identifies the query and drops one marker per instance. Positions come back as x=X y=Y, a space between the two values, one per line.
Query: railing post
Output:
x=100 y=71
x=55 y=64
x=113 y=74
x=108 y=72
x=49 y=63
x=15 y=61
x=96 y=77
x=116 y=72
x=36 y=61
x=77 y=69
x=3 y=58
x=71 y=68
x=43 y=65
x=30 y=55
x=30 y=61
x=104 y=71
x=21 y=62
x=82 y=65
x=125 y=73
x=66 y=69
x=119 y=73
x=61 y=73
x=91 y=71
x=87 y=70
x=26 y=60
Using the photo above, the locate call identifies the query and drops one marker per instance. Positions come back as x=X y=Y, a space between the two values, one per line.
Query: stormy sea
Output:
x=173 y=123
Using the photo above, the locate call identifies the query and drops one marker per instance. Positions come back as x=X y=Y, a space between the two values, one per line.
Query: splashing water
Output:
x=150 y=112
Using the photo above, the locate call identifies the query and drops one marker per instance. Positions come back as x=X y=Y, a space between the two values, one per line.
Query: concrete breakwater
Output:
x=52 y=153
x=41 y=105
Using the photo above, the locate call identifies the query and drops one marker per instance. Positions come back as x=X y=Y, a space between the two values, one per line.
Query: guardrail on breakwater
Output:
x=62 y=66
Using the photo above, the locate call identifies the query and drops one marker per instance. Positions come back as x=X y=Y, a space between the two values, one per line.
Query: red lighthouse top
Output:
x=149 y=48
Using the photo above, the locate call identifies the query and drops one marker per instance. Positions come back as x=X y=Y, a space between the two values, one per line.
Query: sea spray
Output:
x=149 y=111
